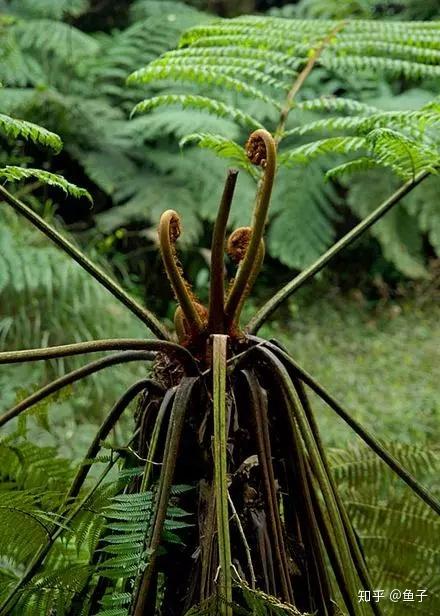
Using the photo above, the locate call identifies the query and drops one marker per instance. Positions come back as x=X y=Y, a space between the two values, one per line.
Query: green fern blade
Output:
x=200 y=103
x=14 y=128
x=303 y=154
x=220 y=145
x=17 y=174
x=200 y=76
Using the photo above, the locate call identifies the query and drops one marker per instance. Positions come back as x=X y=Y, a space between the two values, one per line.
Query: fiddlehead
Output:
x=236 y=248
x=169 y=232
x=261 y=151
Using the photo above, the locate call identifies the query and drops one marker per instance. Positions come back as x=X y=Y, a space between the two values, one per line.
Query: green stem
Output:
x=269 y=307
x=262 y=151
x=102 y=433
x=219 y=353
x=175 y=428
x=356 y=553
x=94 y=346
x=217 y=285
x=167 y=399
x=72 y=377
x=300 y=80
x=252 y=278
x=142 y=313
x=169 y=231
x=424 y=494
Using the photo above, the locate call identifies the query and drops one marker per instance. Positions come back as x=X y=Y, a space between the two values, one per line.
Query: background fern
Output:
x=396 y=531
x=228 y=63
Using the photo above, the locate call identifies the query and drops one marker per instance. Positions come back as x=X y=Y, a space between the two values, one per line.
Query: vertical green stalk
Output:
x=181 y=403
x=217 y=289
x=219 y=350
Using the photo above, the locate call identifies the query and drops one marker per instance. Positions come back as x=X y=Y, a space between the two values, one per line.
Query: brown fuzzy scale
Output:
x=238 y=243
x=256 y=150
x=174 y=229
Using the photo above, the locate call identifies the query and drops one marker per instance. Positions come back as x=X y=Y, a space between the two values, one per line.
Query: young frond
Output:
x=12 y=173
x=14 y=128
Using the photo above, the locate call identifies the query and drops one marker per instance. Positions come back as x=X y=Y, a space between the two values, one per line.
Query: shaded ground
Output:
x=383 y=364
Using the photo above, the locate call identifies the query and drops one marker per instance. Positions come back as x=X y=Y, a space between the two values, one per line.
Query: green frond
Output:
x=352 y=166
x=405 y=156
x=128 y=519
x=303 y=154
x=301 y=224
x=54 y=37
x=220 y=145
x=247 y=68
x=18 y=174
x=392 y=66
x=47 y=8
x=221 y=78
x=203 y=103
x=413 y=121
x=13 y=128
x=398 y=232
x=355 y=468
x=398 y=532
x=265 y=60
x=336 y=104
x=53 y=592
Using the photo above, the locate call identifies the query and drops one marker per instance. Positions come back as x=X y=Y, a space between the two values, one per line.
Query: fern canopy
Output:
x=255 y=61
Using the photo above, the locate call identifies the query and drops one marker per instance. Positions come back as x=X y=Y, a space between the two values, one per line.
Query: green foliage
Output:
x=74 y=83
x=259 y=58
x=128 y=520
x=14 y=128
x=397 y=532
x=16 y=174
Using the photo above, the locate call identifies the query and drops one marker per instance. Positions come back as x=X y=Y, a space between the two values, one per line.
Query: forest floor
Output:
x=383 y=364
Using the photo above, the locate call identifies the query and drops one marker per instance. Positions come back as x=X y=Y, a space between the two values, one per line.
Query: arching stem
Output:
x=169 y=231
x=269 y=307
x=424 y=494
x=216 y=320
x=72 y=377
x=142 y=313
x=94 y=346
x=252 y=279
x=261 y=150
